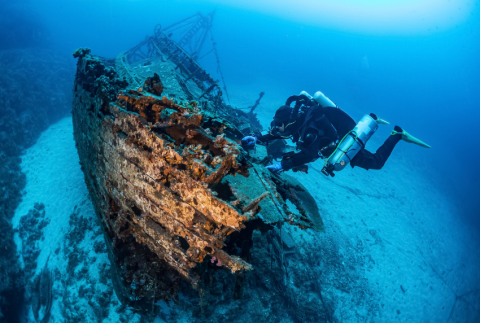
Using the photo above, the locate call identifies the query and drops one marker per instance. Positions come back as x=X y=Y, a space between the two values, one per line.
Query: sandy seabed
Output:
x=424 y=259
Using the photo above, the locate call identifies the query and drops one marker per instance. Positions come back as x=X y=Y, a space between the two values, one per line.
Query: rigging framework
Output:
x=193 y=32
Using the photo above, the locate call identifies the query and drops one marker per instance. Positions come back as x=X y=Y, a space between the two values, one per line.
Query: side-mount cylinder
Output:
x=350 y=145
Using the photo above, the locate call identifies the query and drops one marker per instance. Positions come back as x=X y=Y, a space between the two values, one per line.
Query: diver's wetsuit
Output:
x=318 y=123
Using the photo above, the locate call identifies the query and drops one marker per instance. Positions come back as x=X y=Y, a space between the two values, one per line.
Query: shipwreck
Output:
x=174 y=190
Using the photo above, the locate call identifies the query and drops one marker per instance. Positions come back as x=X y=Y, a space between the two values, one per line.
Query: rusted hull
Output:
x=169 y=183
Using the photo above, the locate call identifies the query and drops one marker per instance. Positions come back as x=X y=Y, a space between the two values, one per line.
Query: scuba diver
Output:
x=321 y=130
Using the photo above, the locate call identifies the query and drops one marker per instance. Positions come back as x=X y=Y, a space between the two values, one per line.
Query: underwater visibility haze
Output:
x=182 y=165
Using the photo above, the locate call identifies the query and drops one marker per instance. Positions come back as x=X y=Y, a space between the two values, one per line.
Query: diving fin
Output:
x=378 y=120
x=411 y=139
x=381 y=121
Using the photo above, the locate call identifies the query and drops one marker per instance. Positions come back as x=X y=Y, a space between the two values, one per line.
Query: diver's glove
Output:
x=249 y=141
x=275 y=167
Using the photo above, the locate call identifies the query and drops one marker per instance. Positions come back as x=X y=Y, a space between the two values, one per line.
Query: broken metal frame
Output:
x=161 y=45
x=197 y=23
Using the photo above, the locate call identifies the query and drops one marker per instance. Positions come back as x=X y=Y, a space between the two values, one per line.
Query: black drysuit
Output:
x=322 y=126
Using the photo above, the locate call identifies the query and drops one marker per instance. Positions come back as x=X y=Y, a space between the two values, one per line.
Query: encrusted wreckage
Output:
x=174 y=190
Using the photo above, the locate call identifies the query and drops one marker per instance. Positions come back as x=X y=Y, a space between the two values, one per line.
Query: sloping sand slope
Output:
x=421 y=260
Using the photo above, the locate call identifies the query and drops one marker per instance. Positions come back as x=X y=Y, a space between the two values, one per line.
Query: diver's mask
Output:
x=280 y=126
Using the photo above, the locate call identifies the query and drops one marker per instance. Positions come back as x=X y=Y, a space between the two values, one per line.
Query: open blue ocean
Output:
x=398 y=244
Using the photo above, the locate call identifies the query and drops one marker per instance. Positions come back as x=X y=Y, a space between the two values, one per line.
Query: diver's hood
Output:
x=323 y=101
x=282 y=114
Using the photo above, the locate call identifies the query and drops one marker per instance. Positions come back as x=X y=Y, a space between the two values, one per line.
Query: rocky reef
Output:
x=34 y=93
x=175 y=192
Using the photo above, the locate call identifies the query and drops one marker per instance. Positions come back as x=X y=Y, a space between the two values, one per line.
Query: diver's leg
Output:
x=367 y=160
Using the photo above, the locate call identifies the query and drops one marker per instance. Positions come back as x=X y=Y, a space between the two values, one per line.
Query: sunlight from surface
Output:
x=372 y=16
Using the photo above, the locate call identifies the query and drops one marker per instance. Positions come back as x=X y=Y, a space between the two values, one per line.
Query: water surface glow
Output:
x=369 y=16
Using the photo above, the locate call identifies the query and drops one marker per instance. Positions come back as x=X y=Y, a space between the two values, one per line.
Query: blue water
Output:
x=415 y=67
x=413 y=63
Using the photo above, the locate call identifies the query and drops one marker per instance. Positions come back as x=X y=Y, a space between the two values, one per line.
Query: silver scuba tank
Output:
x=350 y=145
x=306 y=94
x=320 y=99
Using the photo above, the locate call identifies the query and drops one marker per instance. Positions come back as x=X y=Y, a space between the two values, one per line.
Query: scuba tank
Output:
x=350 y=145
x=307 y=95
x=322 y=100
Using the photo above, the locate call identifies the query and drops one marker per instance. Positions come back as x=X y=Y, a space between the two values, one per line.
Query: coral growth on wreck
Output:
x=171 y=185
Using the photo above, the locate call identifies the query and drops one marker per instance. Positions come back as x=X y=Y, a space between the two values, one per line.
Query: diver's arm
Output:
x=249 y=142
x=273 y=134
x=303 y=157
x=298 y=159
x=289 y=162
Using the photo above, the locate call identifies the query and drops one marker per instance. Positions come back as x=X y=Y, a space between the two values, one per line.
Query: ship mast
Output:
x=193 y=32
x=181 y=42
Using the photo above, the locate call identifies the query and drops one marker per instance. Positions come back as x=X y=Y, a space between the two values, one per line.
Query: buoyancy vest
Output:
x=316 y=126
